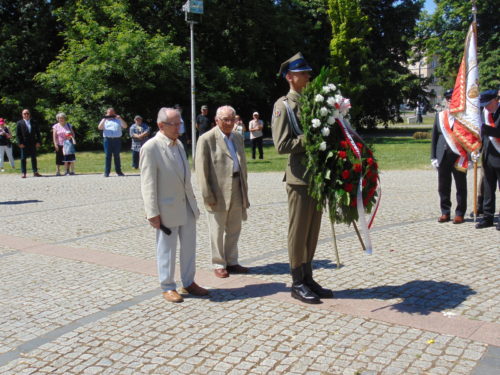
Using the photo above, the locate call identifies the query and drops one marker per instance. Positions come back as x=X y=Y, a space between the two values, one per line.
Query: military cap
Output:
x=448 y=94
x=487 y=96
x=204 y=107
x=296 y=63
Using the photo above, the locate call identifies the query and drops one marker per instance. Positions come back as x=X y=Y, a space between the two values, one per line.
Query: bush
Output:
x=422 y=135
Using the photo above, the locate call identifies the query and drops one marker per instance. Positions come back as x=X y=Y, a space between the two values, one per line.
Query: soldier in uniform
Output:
x=490 y=134
x=444 y=158
x=304 y=216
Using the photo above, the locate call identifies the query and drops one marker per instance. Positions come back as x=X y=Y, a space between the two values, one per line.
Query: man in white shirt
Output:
x=221 y=169
x=256 y=135
x=170 y=205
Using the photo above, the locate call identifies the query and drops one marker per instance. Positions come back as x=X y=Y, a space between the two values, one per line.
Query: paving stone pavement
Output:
x=80 y=296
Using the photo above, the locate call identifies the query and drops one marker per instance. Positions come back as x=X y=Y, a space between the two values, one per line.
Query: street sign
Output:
x=193 y=6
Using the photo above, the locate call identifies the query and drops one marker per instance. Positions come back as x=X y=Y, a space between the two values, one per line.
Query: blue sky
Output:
x=430 y=6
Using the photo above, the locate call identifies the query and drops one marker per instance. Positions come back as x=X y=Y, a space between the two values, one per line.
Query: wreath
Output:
x=343 y=170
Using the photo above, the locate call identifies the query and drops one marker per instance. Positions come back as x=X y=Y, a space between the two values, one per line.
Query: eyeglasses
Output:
x=172 y=123
x=227 y=119
x=26 y=113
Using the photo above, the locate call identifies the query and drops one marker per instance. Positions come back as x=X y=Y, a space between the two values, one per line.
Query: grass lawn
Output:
x=391 y=153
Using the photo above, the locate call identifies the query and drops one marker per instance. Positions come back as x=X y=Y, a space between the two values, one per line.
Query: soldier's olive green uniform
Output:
x=304 y=218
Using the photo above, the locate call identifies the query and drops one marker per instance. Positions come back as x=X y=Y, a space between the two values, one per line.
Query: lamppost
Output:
x=193 y=10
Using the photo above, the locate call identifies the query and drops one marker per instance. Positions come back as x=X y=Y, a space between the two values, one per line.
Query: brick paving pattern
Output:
x=64 y=315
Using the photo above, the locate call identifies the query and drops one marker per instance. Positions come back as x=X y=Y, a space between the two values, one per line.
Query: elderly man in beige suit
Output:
x=170 y=204
x=221 y=169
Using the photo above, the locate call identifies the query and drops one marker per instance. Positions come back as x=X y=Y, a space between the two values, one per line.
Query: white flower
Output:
x=322 y=146
x=323 y=111
x=345 y=105
x=336 y=113
x=319 y=98
x=332 y=87
x=331 y=101
x=325 y=131
x=331 y=120
x=316 y=123
x=326 y=89
x=338 y=98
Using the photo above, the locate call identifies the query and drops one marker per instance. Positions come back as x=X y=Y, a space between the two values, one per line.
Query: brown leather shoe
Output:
x=444 y=218
x=172 y=296
x=195 y=290
x=221 y=272
x=458 y=220
x=237 y=269
x=23 y=175
x=36 y=174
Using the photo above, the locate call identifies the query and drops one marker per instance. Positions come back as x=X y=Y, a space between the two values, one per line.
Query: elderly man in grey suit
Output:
x=221 y=169
x=170 y=204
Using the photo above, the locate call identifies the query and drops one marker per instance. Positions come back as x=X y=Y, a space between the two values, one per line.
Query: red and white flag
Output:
x=465 y=115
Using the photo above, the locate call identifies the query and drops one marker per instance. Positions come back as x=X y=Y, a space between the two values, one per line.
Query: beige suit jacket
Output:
x=286 y=142
x=165 y=186
x=214 y=170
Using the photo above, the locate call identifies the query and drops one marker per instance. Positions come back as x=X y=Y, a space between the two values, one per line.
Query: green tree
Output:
x=28 y=42
x=443 y=33
x=369 y=54
x=109 y=60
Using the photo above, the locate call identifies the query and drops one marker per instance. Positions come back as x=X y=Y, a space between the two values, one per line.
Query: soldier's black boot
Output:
x=300 y=290
x=313 y=285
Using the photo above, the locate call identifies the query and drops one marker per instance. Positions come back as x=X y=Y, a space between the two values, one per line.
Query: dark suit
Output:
x=446 y=159
x=491 y=165
x=29 y=139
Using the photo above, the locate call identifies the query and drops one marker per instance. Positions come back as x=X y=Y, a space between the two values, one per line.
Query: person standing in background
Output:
x=29 y=140
x=239 y=126
x=139 y=133
x=203 y=123
x=256 y=135
x=5 y=145
x=111 y=126
x=59 y=135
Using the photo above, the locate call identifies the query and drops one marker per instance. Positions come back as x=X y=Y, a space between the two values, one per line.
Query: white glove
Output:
x=475 y=156
x=435 y=163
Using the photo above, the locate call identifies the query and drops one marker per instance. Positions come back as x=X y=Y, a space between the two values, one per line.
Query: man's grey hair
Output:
x=60 y=114
x=163 y=114
x=224 y=108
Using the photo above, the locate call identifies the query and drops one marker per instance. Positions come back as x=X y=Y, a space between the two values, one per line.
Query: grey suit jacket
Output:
x=214 y=170
x=165 y=187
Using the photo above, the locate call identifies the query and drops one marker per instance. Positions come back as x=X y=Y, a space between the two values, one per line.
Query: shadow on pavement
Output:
x=21 y=202
x=419 y=296
x=284 y=268
x=248 y=291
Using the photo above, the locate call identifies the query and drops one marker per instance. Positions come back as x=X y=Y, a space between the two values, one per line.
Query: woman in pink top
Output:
x=60 y=131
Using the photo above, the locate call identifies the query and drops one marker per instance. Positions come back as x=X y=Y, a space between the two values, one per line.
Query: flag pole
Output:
x=474 y=11
x=474 y=16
